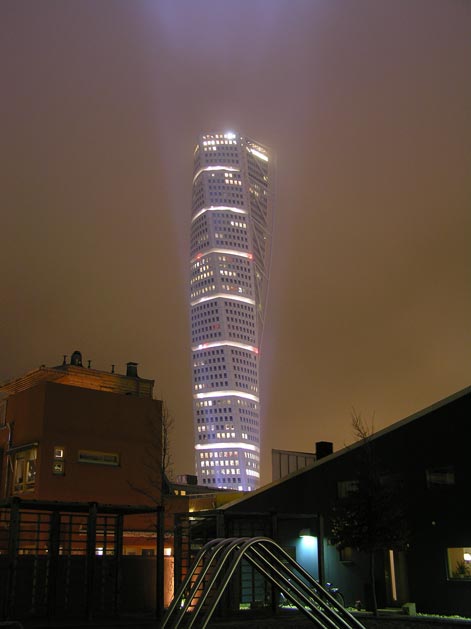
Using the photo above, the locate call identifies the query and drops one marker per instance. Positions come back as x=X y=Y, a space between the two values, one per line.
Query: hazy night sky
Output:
x=366 y=104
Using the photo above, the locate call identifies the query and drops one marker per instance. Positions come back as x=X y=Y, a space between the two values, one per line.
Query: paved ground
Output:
x=285 y=619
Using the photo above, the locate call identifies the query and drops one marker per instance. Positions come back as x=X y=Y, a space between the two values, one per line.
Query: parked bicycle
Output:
x=335 y=593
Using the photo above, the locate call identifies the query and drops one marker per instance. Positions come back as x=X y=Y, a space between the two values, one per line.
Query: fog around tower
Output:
x=366 y=106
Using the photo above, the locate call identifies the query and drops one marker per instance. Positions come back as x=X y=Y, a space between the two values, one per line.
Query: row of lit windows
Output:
x=221 y=140
x=242 y=270
x=219 y=435
x=226 y=454
x=211 y=472
x=237 y=286
x=221 y=484
x=202 y=291
x=225 y=402
x=203 y=272
x=252 y=456
x=203 y=280
x=217 y=404
x=210 y=425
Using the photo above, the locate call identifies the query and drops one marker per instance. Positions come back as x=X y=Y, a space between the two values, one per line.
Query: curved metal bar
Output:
x=279 y=568
x=233 y=546
x=322 y=598
x=296 y=590
x=188 y=588
x=294 y=594
x=322 y=594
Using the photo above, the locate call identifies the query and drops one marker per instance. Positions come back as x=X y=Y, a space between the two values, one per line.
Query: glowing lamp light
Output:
x=467 y=556
x=259 y=154
x=230 y=135
x=308 y=540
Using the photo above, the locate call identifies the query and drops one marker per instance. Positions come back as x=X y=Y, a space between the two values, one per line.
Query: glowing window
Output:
x=59 y=453
x=24 y=472
x=459 y=563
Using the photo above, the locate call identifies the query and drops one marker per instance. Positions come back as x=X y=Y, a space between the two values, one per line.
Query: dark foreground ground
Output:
x=288 y=619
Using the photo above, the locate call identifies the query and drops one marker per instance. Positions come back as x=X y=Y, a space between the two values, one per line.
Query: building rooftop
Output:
x=74 y=374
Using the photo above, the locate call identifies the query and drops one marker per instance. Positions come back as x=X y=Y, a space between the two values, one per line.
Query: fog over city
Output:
x=366 y=107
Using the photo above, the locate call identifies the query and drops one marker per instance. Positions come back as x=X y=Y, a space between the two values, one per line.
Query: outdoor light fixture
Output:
x=467 y=556
x=305 y=533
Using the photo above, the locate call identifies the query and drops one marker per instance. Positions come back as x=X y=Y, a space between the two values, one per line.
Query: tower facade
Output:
x=231 y=227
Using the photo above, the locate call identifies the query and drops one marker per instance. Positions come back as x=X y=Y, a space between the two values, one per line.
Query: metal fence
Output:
x=66 y=560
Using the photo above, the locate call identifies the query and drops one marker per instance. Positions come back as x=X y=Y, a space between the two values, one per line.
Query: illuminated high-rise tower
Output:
x=231 y=226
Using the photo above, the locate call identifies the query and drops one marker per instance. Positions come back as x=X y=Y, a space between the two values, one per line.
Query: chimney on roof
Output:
x=131 y=370
x=323 y=448
x=76 y=359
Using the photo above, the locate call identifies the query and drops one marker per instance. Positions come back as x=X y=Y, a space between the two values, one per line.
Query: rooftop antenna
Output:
x=112 y=368
x=64 y=362
x=89 y=363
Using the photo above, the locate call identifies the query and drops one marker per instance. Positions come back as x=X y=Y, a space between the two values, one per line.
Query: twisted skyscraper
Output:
x=231 y=228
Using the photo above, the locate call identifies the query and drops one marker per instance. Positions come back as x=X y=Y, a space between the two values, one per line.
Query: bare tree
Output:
x=157 y=457
x=168 y=425
x=372 y=518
